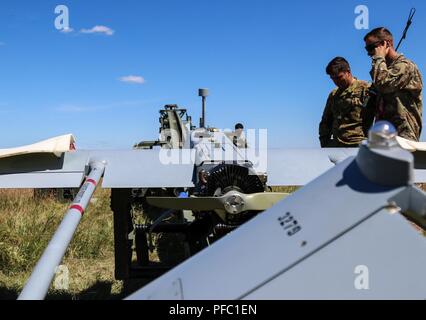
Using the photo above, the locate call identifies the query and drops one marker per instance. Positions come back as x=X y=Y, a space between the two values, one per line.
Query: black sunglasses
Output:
x=373 y=46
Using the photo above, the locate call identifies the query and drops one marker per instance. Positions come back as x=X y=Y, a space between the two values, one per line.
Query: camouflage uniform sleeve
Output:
x=326 y=124
x=369 y=109
x=390 y=79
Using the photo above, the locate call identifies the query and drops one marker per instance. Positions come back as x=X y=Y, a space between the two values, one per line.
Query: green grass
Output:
x=26 y=227
x=285 y=189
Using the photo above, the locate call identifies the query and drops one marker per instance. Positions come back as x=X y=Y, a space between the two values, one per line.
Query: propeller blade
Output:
x=233 y=202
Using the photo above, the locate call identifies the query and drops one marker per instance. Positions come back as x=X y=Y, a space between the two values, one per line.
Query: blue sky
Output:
x=263 y=62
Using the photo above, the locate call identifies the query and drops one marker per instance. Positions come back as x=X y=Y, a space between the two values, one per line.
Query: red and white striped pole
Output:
x=38 y=285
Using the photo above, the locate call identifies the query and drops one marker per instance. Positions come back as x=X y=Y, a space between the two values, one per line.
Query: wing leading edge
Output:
x=157 y=169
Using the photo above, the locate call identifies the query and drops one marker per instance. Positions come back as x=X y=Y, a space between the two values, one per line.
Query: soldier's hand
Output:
x=382 y=50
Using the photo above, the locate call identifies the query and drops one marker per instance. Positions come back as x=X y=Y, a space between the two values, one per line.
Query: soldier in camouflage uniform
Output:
x=398 y=84
x=349 y=112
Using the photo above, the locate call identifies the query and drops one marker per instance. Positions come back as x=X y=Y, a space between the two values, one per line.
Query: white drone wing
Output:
x=411 y=145
x=56 y=146
x=53 y=164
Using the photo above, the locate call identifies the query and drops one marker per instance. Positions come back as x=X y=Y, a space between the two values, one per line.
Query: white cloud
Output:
x=67 y=30
x=133 y=79
x=99 y=29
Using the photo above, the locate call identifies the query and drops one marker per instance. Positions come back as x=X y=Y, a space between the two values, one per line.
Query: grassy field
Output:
x=26 y=227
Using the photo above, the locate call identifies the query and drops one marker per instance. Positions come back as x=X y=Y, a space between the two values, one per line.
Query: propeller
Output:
x=233 y=202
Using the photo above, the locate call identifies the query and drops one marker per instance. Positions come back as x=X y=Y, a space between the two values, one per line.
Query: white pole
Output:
x=42 y=276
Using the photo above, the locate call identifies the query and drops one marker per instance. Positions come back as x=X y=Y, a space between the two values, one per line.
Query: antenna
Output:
x=409 y=22
x=204 y=93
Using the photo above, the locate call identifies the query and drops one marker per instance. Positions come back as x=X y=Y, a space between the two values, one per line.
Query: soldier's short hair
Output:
x=382 y=34
x=337 y=65
x=239 y=126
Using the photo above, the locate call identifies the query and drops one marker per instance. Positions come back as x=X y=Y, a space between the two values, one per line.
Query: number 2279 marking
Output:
x=289 y=224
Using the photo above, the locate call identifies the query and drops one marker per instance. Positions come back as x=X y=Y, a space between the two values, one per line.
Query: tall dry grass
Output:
x=27 y=225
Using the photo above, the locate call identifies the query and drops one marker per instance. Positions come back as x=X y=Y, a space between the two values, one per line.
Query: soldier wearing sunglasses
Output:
x=398 y=83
